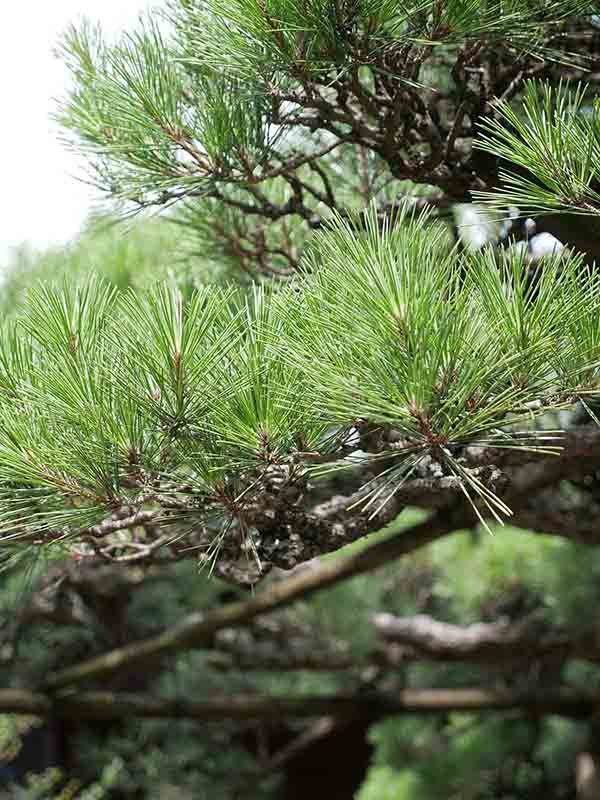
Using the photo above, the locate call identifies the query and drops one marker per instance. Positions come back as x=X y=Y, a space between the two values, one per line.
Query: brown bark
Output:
x=117 y=705
x=487 y=642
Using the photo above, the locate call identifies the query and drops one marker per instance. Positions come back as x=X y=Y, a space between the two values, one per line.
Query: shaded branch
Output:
x=115 y=705
x=486 y=642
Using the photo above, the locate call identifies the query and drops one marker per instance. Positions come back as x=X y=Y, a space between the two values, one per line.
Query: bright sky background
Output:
x=40 y=201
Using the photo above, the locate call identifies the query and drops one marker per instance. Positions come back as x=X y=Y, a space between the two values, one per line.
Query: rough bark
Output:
x=488 y=642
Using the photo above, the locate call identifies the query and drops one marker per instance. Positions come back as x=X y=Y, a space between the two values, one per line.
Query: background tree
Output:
x=298 y=356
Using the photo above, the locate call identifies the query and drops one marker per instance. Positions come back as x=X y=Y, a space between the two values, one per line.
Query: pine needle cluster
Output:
x=115 y=404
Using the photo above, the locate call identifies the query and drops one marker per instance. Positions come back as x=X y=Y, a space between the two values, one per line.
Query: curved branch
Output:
x=486 y=642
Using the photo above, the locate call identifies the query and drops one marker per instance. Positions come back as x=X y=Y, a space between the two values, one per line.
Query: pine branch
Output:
x=211 y=418
x=494 y=642
x=165 y=120
x=376 y=705
x=554 y=144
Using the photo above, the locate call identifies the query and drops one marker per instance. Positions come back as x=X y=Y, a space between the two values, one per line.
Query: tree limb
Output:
x=486 y=642
x=116 y=705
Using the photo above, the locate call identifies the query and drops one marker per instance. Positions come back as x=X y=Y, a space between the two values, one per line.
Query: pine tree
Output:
x=372 y=324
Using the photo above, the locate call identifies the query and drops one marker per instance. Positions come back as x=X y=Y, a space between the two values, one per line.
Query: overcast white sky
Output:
x=39 y=200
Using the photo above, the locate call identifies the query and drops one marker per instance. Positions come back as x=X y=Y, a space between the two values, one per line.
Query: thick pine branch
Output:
x=372 y=705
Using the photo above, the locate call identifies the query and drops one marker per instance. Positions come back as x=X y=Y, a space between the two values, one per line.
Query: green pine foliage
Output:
x=554 y=135
x=228 y=109
x=218 y=362
x=470 y=756
x=135 y=395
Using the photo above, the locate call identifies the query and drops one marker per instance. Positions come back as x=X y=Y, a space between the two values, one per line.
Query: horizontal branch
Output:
x=579 y=449
x=115 y=705
x=571 y=524
x=522 y=475
x=485 y=642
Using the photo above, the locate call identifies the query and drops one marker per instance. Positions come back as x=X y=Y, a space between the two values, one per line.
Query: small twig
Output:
x=112 y=525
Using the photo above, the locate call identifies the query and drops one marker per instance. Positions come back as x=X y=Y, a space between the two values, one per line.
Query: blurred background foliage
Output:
x=126 y=254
